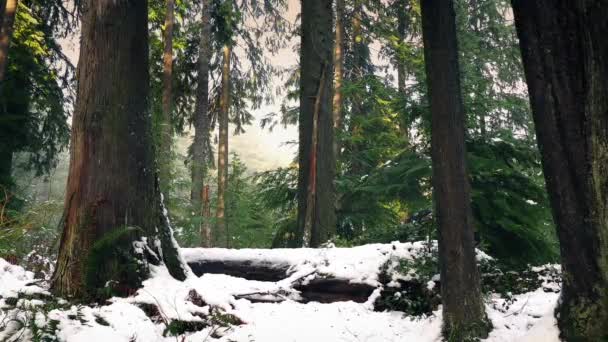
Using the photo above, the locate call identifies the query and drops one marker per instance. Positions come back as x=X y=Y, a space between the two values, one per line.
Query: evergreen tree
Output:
x=34 y=96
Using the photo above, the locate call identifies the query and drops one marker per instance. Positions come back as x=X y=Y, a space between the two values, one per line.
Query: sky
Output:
x=258 y=148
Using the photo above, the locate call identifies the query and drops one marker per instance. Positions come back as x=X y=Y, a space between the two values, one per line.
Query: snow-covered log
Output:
x=323 y=275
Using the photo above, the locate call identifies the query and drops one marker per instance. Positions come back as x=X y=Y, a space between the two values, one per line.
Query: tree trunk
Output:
x=360 y=62
x=401 y=31
x=166 y=130
x=201 y=147
x=2 y=9
x=565 y=57
x=205 y=229
x=222 y=150
x=339 y=70
x=6 y=181
x=316 y=172
x=112 y=197
x=6 y=31
x=463 y=311
x=402 y=24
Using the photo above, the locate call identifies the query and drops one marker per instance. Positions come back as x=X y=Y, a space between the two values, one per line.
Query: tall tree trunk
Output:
x=338 y=76
x=222 y=150
x=316 y=172
x=112 y=197
x=6 y=32
x=166 y=130
x=201 y=151
x=565 y=57
x=463 y=311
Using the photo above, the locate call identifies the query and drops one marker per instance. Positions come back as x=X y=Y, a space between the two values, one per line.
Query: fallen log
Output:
x=324 y=275
x=248 y=269
x=329 y=290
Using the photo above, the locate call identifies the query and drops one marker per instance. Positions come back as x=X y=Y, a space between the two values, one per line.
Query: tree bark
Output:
x=6 y=32
x=201 y=147
x=463 y=311
x=112 y=196
x=565 y=57
x=166 y=130
x=222 y=150
x=316 y=172
x=338 y=76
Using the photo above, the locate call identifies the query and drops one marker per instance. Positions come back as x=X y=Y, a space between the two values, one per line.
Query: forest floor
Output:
x=219 y=307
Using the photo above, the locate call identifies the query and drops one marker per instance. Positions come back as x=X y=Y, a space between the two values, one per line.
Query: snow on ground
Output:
x=526 y=317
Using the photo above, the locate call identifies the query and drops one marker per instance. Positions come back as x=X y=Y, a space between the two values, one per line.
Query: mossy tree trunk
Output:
x=463 y=311
x=201 y=147
x=113 y=205
x=222 y=151
x=565 y=57
x=316 y=222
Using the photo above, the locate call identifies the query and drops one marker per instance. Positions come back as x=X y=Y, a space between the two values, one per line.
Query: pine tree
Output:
x=112 y=196
x=463 y=310
x=565 y=55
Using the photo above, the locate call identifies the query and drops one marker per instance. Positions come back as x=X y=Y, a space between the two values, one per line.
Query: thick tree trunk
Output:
x=316 y=172
x=166 y=130
x=112 y=196
x=338 y=76
x=201 y=147
x=463 y=311
x=222 y=151
x=565 y=55
x=6 y=32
